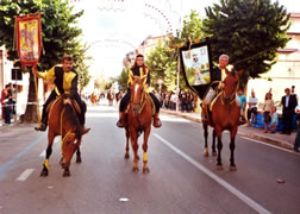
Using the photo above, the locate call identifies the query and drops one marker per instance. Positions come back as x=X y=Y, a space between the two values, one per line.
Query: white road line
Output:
x=270 y=145
x=25 y=175
x=250 y=202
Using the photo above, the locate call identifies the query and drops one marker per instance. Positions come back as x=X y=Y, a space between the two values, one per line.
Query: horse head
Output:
x=70 y=144
x=230 y=87
x=137 y=93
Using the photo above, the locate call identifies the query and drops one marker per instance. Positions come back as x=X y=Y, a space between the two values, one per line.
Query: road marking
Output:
x=250 y=202
x=270 y=145
x=25 y=175
x=11 y=163
x=123 y=199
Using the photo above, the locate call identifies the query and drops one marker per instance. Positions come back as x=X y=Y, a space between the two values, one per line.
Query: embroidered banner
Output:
x=28 y=38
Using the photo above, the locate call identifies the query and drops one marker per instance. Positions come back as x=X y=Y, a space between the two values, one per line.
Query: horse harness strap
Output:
x=230 y=98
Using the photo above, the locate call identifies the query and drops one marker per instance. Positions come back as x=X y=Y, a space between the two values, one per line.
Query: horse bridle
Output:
x=138 y=107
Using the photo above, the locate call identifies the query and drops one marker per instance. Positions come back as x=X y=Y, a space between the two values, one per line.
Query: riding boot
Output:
x=122 y=120
x=84 y=130
x=43 y=125
x=156 y=121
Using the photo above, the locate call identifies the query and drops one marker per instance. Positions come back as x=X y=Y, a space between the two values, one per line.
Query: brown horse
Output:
x=110 y=97
x=139 y=121
x=94 y=98
x=224 y=115
x=63 y=120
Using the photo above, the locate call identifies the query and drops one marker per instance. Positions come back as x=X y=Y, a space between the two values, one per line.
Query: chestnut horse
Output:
x=224 y=115
x=63 y=120
x=139 y=121
x=110 y=97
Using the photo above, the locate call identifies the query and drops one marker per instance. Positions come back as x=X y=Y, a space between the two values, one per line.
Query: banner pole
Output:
x=36 y=98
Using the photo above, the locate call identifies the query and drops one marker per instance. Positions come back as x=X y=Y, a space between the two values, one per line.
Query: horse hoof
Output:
x=126 y=156
x=146 y=170
x=232 y=168
x=78 y=160
x=214 y=154
x=44 y=173
x=135 y=169
x=219 y=167
x=205 y=153
x=67 y=174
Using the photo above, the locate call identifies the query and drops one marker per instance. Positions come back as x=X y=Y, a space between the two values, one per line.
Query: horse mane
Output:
x=72 y=117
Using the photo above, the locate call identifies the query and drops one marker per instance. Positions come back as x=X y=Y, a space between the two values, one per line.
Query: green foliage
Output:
x=162 y=64
x=59 y=30
x=123 y=79
x=191 y=30
x=249 y=31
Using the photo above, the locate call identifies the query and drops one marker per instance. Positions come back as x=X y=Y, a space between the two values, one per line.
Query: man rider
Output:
x=66 y=82
x=138 y=69
x=219 y=74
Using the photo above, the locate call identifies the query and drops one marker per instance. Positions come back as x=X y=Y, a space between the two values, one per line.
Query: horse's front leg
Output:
x=78 y=155
x=213 y=147
x=205 y=128
x=232 y=147
x=135 y=147
x=220 y=146
x=127 y=143
x=145 y=149
x=45 y=170
x=67 y=172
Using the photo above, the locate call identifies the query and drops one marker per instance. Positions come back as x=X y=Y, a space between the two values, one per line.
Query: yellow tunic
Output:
x=67 y=79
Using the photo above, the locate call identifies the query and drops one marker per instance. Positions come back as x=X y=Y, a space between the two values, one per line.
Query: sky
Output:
x=113 y=28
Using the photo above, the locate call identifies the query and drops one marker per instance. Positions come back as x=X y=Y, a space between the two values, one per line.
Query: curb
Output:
x=265 y=139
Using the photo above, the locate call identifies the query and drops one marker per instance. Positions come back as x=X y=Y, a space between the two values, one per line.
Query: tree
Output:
x=192 y=28
x=162 y=64
x=249 y=31
x=59 y=33
x=123 y=79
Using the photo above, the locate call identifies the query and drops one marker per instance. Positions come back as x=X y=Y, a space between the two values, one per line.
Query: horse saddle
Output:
x=143 y=104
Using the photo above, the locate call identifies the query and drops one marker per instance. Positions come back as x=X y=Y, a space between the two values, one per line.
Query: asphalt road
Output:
x=181 y=180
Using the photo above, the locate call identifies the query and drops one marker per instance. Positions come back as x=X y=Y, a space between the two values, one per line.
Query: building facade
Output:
x=286 y=71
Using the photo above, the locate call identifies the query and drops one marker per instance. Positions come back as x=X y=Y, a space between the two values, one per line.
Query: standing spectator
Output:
x=293 y=92
x=184 y=102
x=4 y=93
x=289 y=103
x=242 y=102
x=274 y=120
x=267 y=106
x=297 y=139
x=252 y=108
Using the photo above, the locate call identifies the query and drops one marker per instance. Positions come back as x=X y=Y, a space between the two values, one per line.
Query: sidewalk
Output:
x=282 y=140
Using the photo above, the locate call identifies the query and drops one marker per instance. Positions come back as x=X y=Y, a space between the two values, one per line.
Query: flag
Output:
x=28 y=38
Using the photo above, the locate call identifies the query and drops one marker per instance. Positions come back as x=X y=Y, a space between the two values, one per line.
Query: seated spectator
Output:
x=274 y=120
x=267 y=106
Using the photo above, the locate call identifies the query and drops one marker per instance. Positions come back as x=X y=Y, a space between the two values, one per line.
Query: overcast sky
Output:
x=115 y=27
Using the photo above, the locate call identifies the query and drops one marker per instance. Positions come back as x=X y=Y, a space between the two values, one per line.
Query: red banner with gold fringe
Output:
x=28 y=38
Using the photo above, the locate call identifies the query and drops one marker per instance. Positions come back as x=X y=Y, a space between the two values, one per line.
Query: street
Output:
x=181 y=179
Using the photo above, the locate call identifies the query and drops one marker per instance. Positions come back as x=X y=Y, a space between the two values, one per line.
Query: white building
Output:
x=6 y=77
